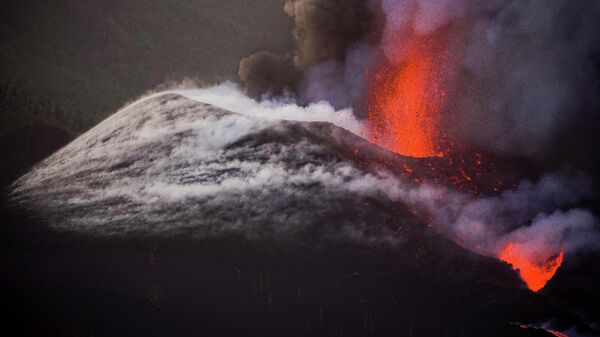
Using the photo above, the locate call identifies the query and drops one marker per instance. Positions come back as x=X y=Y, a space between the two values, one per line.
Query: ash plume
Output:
x=266 y=72
x=526 y=77
x=323 y=30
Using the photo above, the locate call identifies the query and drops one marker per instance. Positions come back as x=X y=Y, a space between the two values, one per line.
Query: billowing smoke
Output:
x=529 y=74
x=522 y=73
x=542 y=217
x=517 y=80
x=324 y=30
x=520 y=79
x=266 y=72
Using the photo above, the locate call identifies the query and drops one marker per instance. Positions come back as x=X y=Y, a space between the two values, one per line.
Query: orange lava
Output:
x=405 y=100
x=535 y=275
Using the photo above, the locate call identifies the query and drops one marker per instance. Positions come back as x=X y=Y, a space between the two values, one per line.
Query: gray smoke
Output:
x=526 y=73
x=323 y=30
x=542 y=217
x=266 y=72
x=529 y=74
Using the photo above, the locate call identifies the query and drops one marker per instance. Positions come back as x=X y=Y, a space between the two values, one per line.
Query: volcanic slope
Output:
x=168 y=168
x=169 y=165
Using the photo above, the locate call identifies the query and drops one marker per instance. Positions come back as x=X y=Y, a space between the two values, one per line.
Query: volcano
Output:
x=284 y=227
x=168 y=165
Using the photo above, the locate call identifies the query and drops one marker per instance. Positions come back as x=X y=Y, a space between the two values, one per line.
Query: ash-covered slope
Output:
x=172 y=166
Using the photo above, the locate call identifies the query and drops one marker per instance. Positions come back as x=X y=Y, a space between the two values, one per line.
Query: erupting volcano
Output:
x=406 y=103
x=534 y=274
x=368 y=168
x=407 y=95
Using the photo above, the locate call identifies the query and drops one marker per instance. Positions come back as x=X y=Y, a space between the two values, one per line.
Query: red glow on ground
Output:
x=535 y=275
x=552 y=332
x=405 y=100
x=556 y=333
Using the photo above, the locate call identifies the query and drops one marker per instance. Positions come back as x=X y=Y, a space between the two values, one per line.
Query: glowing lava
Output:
x=535 y=275
x=405 y=99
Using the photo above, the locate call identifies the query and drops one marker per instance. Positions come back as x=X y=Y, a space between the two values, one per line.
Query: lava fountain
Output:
x=406 y=105
x=534 y=274
x=406 y=96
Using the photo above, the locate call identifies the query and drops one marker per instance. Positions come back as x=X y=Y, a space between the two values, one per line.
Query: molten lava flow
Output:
x=405 y=99
x=534 y=274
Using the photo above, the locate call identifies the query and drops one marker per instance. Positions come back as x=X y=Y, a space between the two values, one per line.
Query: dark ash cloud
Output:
x=267 y=72
x=323 y=30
